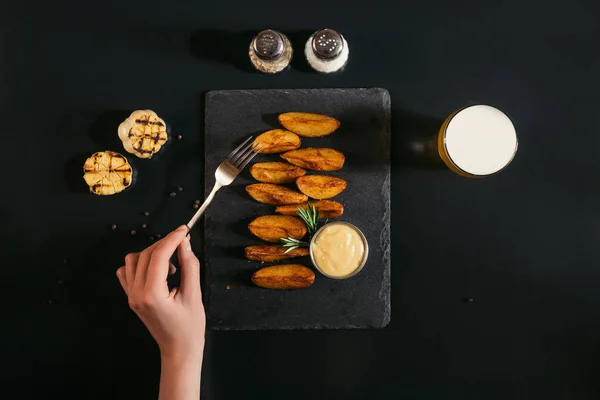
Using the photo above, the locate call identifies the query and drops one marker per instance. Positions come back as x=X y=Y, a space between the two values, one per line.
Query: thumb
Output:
x=190 y=268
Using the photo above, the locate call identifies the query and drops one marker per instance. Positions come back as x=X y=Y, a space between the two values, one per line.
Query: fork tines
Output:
x=244 y=153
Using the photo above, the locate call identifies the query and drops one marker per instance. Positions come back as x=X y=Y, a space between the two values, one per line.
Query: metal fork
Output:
x=227 y=171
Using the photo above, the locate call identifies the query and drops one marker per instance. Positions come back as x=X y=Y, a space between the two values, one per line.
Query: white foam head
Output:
x=480 y=140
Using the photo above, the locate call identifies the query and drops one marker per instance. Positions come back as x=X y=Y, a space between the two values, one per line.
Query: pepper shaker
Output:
x=326 y=51
x=270 y=51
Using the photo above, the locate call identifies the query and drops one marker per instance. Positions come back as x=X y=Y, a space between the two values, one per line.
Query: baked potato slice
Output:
x=277 y=141
x=287 y=276
x=321 y=186
x=268 y=193
x=309 y=125
x=326 y=208
x=317 y=159
x=272 y=253
x=276 y=172
x=271 y=228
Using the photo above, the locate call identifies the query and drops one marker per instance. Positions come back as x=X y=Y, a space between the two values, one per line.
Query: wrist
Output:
x=183 y=357
x=180 y=375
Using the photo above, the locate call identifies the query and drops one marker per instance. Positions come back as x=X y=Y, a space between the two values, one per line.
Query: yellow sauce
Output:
x=338 y=250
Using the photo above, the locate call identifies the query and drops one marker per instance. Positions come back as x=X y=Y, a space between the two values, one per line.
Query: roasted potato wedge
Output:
x=321 y=186
x=322 y=159
x=271 y=228
x=274 y=194
x=277 y=141
x=287 y=276
x=327 y=209
x=309 y=125
x=276 y=172
x=272 y=253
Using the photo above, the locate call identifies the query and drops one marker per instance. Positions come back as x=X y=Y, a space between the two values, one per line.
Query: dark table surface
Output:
x=522 y=244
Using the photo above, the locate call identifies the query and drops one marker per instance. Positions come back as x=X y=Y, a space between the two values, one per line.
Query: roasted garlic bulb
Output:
x=143 y=133
x=107 y=172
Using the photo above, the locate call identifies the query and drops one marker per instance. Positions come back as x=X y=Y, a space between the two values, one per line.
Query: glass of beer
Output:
x=477 y=141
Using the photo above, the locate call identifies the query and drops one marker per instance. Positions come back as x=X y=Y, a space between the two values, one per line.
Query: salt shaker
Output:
x=326 y=51
x=270 y=51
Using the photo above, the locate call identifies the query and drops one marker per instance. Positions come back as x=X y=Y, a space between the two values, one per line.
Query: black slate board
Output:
x=362 y=301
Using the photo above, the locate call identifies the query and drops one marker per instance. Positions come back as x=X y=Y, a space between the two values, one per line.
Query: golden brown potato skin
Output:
x=287 y=276
x=272 y=253
x=276 y=172
x=274 y=194
x=277 y=141
x=317 y=159
x=327 y=209
x=321 y=186
x=271 y=228
x=309 y=125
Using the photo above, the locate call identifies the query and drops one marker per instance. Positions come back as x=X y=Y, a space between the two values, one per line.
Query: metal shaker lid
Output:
x=327 y=44
x=268 y=44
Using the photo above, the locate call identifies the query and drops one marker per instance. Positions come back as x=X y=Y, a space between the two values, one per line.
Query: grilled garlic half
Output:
x=107 y=172
x=143 y=133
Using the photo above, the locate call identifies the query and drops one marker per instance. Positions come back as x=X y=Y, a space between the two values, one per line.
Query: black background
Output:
x=522 y=244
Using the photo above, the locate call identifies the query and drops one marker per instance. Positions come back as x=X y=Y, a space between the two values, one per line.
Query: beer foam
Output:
x=480 y=140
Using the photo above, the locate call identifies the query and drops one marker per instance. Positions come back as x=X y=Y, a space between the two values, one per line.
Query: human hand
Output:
x=175 y=318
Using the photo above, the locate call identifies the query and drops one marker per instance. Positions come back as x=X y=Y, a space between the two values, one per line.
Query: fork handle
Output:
x=201 y=210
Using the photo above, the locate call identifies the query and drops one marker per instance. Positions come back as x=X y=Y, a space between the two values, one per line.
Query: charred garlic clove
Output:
x=143 y=133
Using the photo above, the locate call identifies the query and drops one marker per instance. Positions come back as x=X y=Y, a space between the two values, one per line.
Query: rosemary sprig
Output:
x=310 y=217
x=292 y=244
